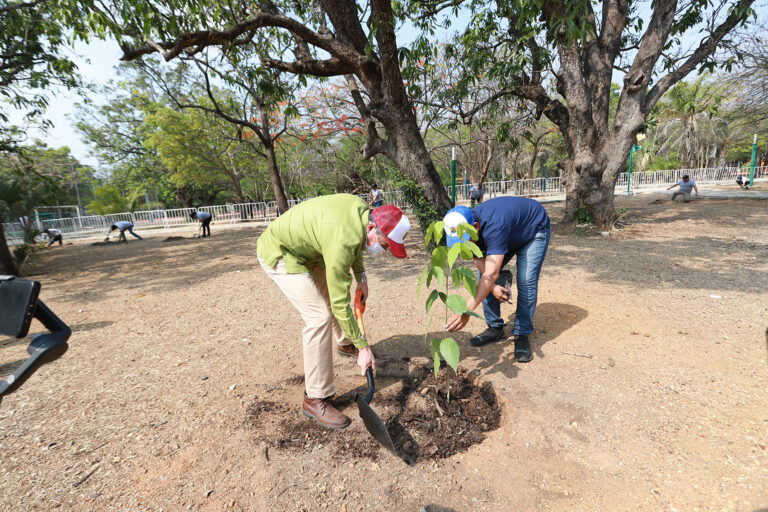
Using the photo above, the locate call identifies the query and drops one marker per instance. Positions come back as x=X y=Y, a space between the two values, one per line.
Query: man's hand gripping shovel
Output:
x=371 y=420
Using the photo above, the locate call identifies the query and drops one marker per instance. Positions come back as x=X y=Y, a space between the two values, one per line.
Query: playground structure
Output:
x=90 y=225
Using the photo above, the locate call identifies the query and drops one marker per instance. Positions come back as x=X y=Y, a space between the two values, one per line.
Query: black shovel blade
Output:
x=371 y=420
x=374 y=425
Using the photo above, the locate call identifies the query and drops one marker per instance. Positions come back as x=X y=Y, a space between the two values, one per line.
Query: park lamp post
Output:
x=752 y=165
x=635 y=147
x=453 y=175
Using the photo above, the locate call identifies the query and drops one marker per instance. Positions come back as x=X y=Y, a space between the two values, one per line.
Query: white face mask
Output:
x=375 y=249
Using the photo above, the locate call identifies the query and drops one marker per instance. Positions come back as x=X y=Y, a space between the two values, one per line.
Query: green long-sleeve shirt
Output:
x=325 y=232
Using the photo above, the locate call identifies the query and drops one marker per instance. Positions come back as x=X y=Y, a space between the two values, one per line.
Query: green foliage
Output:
x=583 y=216
x=414 y=195
x=110 y=199
x=27 y=252
x=440 y=266
x=34 y=55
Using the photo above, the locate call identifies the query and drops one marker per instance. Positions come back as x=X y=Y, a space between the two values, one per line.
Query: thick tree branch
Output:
x=738 y=14
x=375 y=143
x=203 y=38
x=20 y=5
x=328 y=67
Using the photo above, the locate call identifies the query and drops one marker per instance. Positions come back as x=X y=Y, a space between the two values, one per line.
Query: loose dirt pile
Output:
x=423 y=421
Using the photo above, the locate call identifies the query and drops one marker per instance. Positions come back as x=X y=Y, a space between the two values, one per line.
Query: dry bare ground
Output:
x=647 y=390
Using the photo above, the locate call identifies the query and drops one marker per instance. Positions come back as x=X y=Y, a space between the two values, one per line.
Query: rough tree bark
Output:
x=7 y=266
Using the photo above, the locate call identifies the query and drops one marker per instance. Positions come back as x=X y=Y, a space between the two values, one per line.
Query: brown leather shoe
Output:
x=322 y=411
x=348 y=350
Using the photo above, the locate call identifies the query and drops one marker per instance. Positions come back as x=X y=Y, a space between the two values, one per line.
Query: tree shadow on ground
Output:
x=550 y=320
x=154 y=266
x=395 y=354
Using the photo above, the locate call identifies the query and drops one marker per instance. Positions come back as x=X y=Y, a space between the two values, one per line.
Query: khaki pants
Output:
x=309 y=295
x=686 y=196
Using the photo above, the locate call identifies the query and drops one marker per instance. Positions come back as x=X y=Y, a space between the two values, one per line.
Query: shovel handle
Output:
x=371 y=385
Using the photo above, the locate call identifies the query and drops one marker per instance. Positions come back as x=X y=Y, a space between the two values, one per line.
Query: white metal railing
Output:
x=76 y=227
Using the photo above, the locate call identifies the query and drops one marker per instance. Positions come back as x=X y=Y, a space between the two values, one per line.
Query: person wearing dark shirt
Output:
x=122 y=225
x=506 y=227
x=205 y=222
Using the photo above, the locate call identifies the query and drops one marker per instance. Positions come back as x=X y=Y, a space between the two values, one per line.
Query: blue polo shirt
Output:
x=507 y=224
x=203 y=216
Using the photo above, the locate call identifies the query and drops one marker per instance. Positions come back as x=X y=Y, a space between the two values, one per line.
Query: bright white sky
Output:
x=97 y=62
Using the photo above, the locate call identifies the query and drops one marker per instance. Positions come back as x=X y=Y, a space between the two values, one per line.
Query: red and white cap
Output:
x=394 y=224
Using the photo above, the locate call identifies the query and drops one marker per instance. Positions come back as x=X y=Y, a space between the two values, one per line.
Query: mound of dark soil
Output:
x=420 y=418
x=432 y=424
x=173 y=238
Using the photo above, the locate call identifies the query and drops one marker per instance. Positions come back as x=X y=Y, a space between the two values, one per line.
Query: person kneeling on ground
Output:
x=308 y=252
x=204 y=219
x=742 y=182
x=52 y=235
x=686 y=185
x=506 y=227
x=122 y=225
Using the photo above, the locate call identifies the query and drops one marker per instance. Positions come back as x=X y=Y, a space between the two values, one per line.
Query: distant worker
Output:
x=686 y=185
x=376 y=199
x=308 y=252
x=122 y=225
x=476 y=194
x=52 y=235
x=742 y=182
x=204 y=219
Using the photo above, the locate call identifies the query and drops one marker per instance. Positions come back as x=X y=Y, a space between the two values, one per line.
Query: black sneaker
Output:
x=522 y=349
x=490 y=335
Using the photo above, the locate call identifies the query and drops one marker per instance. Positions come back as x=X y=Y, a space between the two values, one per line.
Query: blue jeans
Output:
x=529 y=260
x=130 y=230
x=378 y=203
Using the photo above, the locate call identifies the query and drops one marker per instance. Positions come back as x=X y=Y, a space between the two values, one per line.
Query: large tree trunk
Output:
x=276 y=177
x=7 y=266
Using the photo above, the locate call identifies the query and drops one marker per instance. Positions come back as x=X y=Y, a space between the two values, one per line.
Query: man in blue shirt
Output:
x=205 y=222
x=122 y=225
x=506 y=227
x=686 y=185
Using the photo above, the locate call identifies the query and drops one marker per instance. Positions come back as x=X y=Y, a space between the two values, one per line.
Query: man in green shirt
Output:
x=309 y=251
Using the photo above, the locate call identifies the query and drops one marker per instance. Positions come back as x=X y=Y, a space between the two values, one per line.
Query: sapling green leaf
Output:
x=453 y=253
x=475 y=249
x=437 y=231
x=423 y=276
x=468 y=228
x=466 y=253
x=450 y=352
x=438 y=273
x=469 y=280
x=431 y=299
x=439 y=255
x=456 y=275
x=457 y=304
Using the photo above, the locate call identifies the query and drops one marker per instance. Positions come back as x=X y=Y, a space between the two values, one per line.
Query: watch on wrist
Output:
x=363 y=278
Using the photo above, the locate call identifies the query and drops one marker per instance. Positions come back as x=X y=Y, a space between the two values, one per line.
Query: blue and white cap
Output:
x=452 y=219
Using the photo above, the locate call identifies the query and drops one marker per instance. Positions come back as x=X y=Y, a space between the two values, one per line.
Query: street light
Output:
x=635 y=147
x=754 y=157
